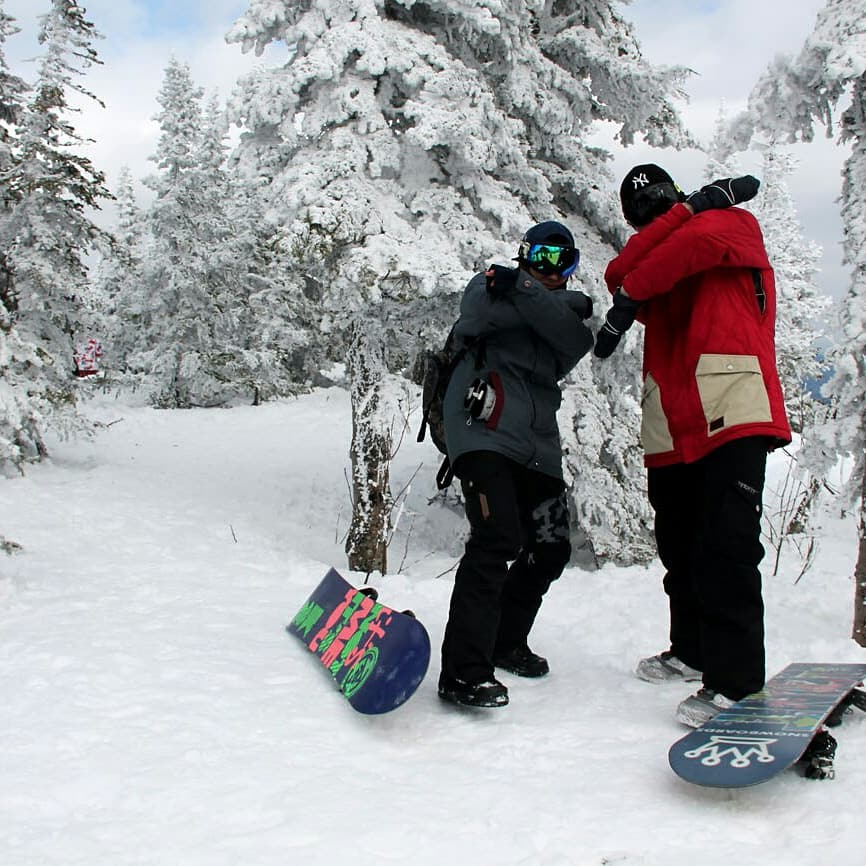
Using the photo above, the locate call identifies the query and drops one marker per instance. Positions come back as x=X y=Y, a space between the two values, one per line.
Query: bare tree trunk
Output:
x=859 y=630
x=366 y=544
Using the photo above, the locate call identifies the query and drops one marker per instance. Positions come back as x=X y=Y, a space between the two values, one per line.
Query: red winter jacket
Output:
x=709 y=307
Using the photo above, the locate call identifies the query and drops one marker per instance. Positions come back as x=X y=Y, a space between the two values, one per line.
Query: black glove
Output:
x=724 y=193
x=618 y=320
x=500 y=280
x=580 y=303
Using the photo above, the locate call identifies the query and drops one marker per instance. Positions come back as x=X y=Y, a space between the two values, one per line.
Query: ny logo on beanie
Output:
x=646 y=192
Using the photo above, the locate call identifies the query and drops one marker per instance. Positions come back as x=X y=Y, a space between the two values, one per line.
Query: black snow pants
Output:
x=516 y=516
x=707 y=527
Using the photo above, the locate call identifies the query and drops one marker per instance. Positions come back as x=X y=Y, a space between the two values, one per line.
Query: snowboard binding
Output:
x=817 y=760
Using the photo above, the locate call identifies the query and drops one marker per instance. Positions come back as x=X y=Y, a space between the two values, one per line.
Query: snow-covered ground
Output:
x=155 y=712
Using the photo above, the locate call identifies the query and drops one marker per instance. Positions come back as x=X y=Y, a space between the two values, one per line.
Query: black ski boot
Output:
x=490 y=693
x=523 y=662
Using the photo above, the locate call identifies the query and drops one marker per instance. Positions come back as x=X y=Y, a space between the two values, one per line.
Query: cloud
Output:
x=139 y=40
x=729 y=43
x=125 y=132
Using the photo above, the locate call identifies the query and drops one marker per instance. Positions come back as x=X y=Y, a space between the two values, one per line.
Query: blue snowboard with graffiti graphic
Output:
x=767 y=732
x=377 y=656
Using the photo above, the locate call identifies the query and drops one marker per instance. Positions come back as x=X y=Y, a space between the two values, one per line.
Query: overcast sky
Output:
x=728 y=43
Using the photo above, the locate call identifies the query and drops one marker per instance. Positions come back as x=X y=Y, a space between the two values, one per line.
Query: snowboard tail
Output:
x=767 y=732
x=376 y=656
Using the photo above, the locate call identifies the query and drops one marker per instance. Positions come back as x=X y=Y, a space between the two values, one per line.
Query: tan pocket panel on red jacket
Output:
x=655 y=434
x=732 y=391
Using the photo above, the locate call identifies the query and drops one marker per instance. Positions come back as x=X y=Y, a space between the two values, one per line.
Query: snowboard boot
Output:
x=702 y=706
x=489 y=693
x=522 y=661
x=666 y=668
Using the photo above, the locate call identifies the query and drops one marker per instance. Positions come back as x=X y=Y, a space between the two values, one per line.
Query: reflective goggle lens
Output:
x=549 y=259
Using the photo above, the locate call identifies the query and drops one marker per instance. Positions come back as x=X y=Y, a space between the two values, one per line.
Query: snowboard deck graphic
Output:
x=767 y=732
x=377 y=656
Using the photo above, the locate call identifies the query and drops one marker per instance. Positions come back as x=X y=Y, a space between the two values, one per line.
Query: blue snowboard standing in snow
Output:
x=767 y=732
x=377 y=656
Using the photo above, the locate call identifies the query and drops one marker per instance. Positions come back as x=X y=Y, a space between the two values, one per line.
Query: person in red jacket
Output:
x=696 y=274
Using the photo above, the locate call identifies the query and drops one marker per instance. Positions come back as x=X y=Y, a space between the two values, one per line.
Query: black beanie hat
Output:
x=550 y=232
x=646 y=193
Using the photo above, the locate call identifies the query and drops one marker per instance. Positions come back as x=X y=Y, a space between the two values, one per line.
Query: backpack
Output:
x=439 y=366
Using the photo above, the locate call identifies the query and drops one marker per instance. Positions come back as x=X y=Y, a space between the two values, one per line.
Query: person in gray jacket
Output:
x=524 y=332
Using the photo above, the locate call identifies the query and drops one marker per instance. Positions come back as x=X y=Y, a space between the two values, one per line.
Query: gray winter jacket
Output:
x=530 y=337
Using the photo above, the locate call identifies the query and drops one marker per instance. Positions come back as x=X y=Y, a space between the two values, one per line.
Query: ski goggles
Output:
x=551 y=259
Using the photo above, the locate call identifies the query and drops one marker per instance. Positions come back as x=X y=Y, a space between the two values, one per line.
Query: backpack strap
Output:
x=422 y=430
x=445 y=475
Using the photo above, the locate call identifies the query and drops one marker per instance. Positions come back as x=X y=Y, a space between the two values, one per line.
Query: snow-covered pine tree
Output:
x=175 y=309
x=20 y=425
x=13 y=90
x=792 y=96
x=225 y=233
x=196 y=327
x=192 y=292
x=118 y=279
x=46 y=227
x=405 y=146
x=265 y=330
